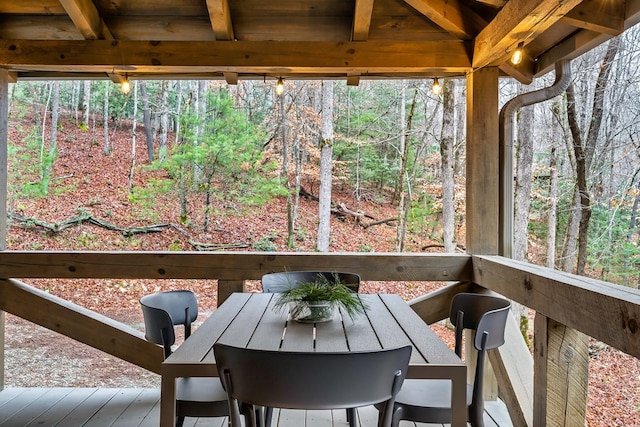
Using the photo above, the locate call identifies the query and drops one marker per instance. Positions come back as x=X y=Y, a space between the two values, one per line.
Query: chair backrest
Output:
x=278 y=282
x=163 y=310
x=302 y=380
x=487 y=316
x=483 y=314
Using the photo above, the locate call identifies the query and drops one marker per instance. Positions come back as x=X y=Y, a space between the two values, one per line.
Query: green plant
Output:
x=265 y=245
x=335 y=293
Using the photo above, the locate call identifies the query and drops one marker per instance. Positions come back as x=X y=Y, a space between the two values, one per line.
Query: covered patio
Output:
x=334 y=39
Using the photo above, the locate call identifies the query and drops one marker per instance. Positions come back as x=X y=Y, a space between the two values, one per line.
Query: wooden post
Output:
x=482 y=180
x=482 y=162
x=227 y=287
x=4 y=124
x=561 y=363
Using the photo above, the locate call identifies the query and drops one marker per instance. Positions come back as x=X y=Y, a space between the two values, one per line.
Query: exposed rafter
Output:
x=231 y=78
x=451 y=16
x=86 y=18
x=603 y=16
x=517 y=21
x=353 y=80
x=220 y=17
x=362 y=20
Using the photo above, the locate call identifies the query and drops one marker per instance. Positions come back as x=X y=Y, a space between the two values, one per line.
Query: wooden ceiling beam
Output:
x=518 y=20
x=353 y=80
x=362 y=20
x=87 y=19
x=451 y=16
x=603 y=16
x=522 y=72
x=220 y=17
x=231 y=78
x=583 y=41
x=237 y=56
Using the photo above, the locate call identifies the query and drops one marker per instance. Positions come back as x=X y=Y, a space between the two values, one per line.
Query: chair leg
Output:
x=396 y=418
x=351 y=417
x=179 y=421
x=260 y=420
x=268 y=415
x=476 y=414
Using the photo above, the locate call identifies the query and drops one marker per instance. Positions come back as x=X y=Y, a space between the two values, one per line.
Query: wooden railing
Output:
x=601 y=310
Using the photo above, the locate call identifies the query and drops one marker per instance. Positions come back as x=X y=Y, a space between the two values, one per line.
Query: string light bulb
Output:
x=125 y=86
x=279 y=87
x=436 y=88
x=516 y=58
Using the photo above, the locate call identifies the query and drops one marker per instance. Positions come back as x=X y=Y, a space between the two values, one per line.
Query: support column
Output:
x=482 y=162
x=4 y=124
x=561 y=364
x=482 y=184
x=227 y=287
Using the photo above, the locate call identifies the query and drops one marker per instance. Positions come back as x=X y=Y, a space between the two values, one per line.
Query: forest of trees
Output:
x=577 y=156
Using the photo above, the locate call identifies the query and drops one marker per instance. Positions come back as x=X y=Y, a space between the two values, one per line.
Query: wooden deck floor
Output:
x=102 y=407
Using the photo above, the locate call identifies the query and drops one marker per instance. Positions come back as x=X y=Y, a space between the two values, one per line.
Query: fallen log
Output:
x=86 y=217
x=382 y=221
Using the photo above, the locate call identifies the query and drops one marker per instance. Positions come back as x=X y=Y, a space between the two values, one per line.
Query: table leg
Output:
x=167 y=401
x=459 y=397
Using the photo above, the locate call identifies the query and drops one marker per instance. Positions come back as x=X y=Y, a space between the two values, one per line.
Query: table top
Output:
x=250 y=320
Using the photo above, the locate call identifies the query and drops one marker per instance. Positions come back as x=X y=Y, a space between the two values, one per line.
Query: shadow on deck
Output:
x=131 y=407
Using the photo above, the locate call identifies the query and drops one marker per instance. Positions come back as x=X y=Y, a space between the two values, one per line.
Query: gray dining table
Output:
x=251 y=320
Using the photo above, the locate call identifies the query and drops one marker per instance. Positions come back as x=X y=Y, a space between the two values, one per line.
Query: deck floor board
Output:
x=138 y=407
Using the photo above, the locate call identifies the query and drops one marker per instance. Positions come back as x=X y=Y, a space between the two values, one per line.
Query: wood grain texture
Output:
x=482 y=162
x=87 y=19
x=362 y=19
x=76 y=322
x=568 y=299
x=364 y=57
x=231 y=265
x=518 y=20
x=567 y=375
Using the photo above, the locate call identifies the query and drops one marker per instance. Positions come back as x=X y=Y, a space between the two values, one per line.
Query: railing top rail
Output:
x=605 y=311
x=230 y=265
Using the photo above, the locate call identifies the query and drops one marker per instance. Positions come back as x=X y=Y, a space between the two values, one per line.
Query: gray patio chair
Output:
x=305 y=380
x=196 y=396
x=280 y=281
x=429 y=401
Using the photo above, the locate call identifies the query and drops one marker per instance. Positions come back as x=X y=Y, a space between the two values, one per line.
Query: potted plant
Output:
x=316 y=301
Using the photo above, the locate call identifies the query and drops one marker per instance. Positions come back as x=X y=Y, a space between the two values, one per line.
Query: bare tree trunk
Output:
x=164 y=119
x=106 y=148
x=282 y=124
x=460 y=139
x=403 y=148
x=447 y=147
x=53 y=144
x=402 y=138
x=43 y=156
x=406 y=179
x=524 y=162
x=552 y=217
x=86 y=98
x=184 y=165
x=201 y=106
x=75 y=100
x=133 y=134
x=146 y=112
x=326 y=166
x=584 y=151
x=178 y=111
x=633 y=220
